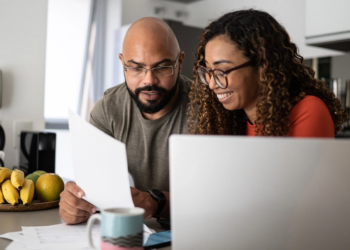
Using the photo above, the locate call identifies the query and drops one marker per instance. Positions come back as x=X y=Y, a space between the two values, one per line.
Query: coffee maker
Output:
x=38 y=150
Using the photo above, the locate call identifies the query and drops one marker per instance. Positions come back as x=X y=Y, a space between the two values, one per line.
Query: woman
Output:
x=250 y=80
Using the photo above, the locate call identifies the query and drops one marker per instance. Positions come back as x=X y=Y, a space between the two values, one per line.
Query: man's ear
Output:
x=181 y=60
x=121 y=58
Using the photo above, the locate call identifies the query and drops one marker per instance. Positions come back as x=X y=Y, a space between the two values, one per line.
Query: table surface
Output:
x=13 y=221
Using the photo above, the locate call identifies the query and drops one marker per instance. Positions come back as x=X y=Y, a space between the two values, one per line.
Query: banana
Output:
x=2 y=200
x=5 y=174
x=10 y=193
x=27 y=192
x=17 y=179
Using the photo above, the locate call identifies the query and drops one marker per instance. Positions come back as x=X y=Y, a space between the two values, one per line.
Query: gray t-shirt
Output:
x=146 y=141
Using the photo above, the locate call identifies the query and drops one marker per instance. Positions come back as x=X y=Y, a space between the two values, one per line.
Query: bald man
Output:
x=142 y=112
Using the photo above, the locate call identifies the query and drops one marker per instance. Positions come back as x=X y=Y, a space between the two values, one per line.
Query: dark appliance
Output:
x=38 y=150
x=2 y=143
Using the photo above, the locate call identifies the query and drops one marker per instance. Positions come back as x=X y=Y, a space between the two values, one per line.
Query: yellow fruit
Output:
x=27 y=192
x=2 y=200
x=10 y=192
x=5 y=174
x=48 y=187
x=17 y=179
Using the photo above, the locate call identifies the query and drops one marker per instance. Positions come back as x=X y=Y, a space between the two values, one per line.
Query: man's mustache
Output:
x=150 y=88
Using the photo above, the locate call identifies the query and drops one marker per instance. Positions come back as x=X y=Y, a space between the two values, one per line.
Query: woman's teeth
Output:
x=224 y=95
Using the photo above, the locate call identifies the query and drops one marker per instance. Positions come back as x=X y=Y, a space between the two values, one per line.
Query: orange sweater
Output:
x=310 y=117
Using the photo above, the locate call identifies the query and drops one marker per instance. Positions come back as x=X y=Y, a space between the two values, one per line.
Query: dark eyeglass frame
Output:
x=224 y=73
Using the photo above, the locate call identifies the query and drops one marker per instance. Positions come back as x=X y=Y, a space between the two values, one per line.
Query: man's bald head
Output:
x=149 y=35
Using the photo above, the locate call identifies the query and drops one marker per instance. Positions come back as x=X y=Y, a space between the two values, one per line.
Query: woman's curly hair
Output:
x=284 y=79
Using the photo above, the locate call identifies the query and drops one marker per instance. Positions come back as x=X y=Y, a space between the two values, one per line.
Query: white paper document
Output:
x=100 y=165
x=58 y=236
x=18 y=241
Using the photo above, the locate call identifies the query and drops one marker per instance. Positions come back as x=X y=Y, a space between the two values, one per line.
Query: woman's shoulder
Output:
x=310 y=100
x=310 y=104
x=311 y=116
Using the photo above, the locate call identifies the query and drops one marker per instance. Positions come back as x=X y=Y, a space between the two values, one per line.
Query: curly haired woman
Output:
x=260 y=85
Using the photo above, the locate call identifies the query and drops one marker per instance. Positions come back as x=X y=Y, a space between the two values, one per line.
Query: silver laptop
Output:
x=232 y=192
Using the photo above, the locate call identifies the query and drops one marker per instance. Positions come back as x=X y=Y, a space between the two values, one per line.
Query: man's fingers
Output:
x=72 y=210
x=74 y=189
x=70 y=219
x=77 y=203
x=133 y=190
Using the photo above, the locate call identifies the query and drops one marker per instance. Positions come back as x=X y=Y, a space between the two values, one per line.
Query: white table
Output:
x=13 y=221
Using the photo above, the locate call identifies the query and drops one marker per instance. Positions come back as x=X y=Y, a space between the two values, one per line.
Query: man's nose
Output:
x=150 y=78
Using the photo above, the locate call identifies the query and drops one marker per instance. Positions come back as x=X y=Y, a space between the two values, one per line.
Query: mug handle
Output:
x=89 y=227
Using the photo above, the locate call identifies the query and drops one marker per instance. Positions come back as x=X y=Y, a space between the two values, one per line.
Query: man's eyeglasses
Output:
x=162 y=71
x=219 y=75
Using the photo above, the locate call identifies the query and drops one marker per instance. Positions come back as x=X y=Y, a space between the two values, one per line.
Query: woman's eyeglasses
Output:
x=219 y=75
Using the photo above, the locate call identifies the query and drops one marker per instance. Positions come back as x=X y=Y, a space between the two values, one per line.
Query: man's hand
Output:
x=145 y=201
x=73 y=209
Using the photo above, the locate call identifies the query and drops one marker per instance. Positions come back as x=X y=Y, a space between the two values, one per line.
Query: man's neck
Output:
x=162 y=112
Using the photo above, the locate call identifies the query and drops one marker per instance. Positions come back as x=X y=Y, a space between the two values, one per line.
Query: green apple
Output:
x=33 y=177
x=40 y=172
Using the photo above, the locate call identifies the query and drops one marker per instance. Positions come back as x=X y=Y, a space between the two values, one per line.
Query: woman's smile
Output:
x=224 y=96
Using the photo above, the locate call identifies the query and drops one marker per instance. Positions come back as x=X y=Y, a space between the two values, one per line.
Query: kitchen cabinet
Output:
x=327 y=24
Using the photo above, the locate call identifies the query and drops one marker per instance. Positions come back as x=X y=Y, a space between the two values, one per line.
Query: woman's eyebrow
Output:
x=218 y=62
x=221 y=61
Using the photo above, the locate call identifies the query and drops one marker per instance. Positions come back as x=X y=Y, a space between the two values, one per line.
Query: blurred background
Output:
x=60 y=54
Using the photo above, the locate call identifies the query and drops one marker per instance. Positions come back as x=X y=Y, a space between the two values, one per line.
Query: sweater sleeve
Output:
x=310 y=117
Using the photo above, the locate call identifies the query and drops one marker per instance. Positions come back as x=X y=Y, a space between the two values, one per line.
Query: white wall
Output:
x=22 y=60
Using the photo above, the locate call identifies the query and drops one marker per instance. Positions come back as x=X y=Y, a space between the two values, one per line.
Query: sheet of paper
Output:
x=15 y=236
x=60 y=236
x=100 y=165
x=65 y=237
x=18 y=241
x=16 y=245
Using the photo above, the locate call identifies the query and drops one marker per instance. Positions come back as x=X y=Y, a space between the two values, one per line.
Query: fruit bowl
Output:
x=33 y=206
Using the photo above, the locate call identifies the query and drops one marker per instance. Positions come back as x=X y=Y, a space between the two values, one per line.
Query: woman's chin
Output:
x=230 y=106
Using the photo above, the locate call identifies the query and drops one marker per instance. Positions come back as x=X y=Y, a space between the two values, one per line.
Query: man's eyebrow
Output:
x=160 y=62
x=153 y=65
x=138 y=63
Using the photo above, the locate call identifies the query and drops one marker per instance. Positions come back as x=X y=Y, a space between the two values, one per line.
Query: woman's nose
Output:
x=212 y=83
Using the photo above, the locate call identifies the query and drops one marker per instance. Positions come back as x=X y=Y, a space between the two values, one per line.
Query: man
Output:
x=143 y=112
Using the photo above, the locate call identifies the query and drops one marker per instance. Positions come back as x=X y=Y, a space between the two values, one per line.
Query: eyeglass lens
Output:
x=160 y=71
x=205 y=77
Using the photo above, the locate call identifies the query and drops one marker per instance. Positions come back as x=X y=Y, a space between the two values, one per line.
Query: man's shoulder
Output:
x=113 y=92
x=113 y=100
x=185 y=85
x=186 y=82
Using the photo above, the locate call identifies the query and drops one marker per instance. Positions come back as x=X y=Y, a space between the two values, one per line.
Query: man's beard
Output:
x=152 y=106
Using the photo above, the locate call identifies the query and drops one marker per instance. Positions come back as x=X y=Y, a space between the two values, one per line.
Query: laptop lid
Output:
x=230 y=192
